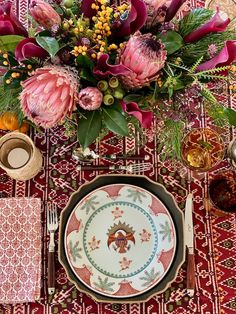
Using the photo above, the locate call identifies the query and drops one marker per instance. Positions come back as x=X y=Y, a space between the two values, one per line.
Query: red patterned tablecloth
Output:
x=215 y=238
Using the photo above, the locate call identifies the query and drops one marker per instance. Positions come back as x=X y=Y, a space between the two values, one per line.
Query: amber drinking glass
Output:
x=202 y=149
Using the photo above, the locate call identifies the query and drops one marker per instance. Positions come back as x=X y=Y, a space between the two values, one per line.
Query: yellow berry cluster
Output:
x=233 y=68
x=75 y=27
x=14 y=75
x=102 y=27
x=17 y=75
x=5 y=56
x=159 y=81
x=122 y=45
x=112 y=47
x=178 y=61
x=232 y=87
x=121 y=9
x=79 y=50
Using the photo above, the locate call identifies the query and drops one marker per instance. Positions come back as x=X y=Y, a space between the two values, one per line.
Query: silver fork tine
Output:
x=140 y=167
x=143 y=166
x=55 y=218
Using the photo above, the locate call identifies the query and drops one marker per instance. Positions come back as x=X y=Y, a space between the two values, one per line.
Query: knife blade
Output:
x=189 y=241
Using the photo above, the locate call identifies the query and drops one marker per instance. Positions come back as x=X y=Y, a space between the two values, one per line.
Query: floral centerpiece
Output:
x=105 y=65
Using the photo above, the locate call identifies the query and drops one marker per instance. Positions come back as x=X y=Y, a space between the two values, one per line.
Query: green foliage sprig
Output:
x=170 y=137
x=192 y=52
x=193 y=20
x=9 y=101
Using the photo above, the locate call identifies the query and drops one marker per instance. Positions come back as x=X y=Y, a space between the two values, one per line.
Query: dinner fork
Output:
x=52 y=225
x=133 y=168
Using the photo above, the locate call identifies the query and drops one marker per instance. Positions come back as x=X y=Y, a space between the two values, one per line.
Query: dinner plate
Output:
x=121 y=238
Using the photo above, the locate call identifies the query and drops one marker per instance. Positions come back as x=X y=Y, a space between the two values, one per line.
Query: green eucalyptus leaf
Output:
x=178 y=84
x=9 y=42
x=89 y=127
x=50 y=44
x=44 y=33
x=230 y=114
x=85 y=62
x=87 y=75
x=115 y=121
x=170 y=91
x=117 y=106
x=172 y=41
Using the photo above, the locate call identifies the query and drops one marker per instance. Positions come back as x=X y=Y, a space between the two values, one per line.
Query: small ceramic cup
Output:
x=19 y=157
x=222 y=193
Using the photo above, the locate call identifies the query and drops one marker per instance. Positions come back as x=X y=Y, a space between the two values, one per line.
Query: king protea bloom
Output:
x=144 y=56
x=44 y=14
x=49 y=95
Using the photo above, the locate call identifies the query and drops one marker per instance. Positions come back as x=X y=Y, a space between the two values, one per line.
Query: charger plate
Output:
x=119 y=239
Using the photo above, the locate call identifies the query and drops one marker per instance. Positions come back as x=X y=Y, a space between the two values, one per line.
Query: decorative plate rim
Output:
x=179 y=254
x=123 y=185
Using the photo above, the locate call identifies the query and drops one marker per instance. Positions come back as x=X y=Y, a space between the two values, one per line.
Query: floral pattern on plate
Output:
x=120 y=240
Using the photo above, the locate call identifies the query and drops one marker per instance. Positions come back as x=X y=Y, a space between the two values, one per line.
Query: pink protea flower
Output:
x=144 y=56
x=49 y=95
x=44 y=14
x=90 y=98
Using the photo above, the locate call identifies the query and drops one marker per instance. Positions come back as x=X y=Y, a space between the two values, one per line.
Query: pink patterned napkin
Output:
x=20 y=249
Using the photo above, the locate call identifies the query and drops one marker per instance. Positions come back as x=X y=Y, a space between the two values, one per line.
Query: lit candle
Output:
x=18 y=157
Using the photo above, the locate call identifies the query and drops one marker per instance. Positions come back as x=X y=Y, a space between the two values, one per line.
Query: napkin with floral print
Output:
x=20 y=249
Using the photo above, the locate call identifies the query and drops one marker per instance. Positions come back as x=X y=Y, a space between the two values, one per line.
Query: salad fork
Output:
x=52 y=225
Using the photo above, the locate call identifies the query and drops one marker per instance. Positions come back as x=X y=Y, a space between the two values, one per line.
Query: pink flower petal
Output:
x=173 y=9
x=28 y=48
x=145 y=117
x=45 y=103
x=216 y=24
x=226 y=56
x=44 y=14
x=104 y=69
x=9 y=24
x=86 y=8
x=6 y=28
x=135 y=20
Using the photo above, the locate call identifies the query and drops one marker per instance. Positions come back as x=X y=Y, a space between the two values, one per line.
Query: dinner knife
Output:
x=190 y=245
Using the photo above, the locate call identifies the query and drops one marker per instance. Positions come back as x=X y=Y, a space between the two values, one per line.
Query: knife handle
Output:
x=51 y=272
x=191 y=272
